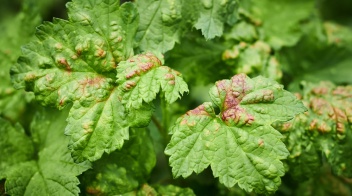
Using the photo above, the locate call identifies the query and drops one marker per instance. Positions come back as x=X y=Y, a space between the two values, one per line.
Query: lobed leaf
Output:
x=50 y=170
x=212 y=16
x=239 y=144
x=80 y=61
x=143 y=76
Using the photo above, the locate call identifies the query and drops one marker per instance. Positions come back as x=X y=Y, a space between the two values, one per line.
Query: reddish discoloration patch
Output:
x=171 y=82
x=341 y=119
x=61 y=103
x=100 y=53
x=129 y=85
x=268 y=95
x=93 y=191
x=320 y=90
x=169 y=76
x=132 y=74
x=321 y=106
x=64 y=62
x=261 y=143
x=146 y=66
x=344 y=91
x=235 y=90
x=237 y=115
x=183 y=122
x=95 y=82
x=200 y=110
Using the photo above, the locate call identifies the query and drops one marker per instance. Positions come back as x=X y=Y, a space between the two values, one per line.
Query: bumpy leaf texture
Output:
x=163 y=22
x=324 y=129
x=43 y=164
x=212 y=15
x=78 y=62
x=160 y=24
x=239 y=144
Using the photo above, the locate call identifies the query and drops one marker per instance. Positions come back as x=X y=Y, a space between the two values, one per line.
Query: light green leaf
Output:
x=213 y=16
x=103 y=126
x=76 y=62
x=159 y=27
x=123 y=170
x=239 y=144
x=51 y=171
x=143 y=76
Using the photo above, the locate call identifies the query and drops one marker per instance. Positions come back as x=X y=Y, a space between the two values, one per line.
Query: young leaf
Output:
x=239 y=144
x=123 y=170
x=141 y=78
x=76 y=62
x=159 y=27
x=213 y=16
x=52 y=170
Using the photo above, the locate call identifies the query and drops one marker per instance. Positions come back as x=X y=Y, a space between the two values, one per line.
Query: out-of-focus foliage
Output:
x=118 y=65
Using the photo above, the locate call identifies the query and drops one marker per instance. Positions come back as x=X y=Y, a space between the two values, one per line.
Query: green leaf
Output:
x=159 y=28
x=203 y=58
x=174 y=190
x=325 y=129
x=242 y=31
x=52 y=170
x=16 y=30
x=239 y=144
x=143 y=76
x=76 y=62
x=15 y=146
x=326 y=57
x=212 y=17
x=253 y=59
x=123 y=170
x=281 y=25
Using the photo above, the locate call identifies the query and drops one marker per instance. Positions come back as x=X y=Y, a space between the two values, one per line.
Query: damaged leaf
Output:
x=239 y=143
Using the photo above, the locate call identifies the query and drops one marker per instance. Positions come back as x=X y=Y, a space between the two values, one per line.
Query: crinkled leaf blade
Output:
x=102 y=126
x=239 y=144
x=159 y=27
x=143 y=76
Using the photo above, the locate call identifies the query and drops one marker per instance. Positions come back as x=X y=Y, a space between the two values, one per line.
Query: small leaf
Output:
x=212 y=17
x=239 y=144
x=143 y=76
